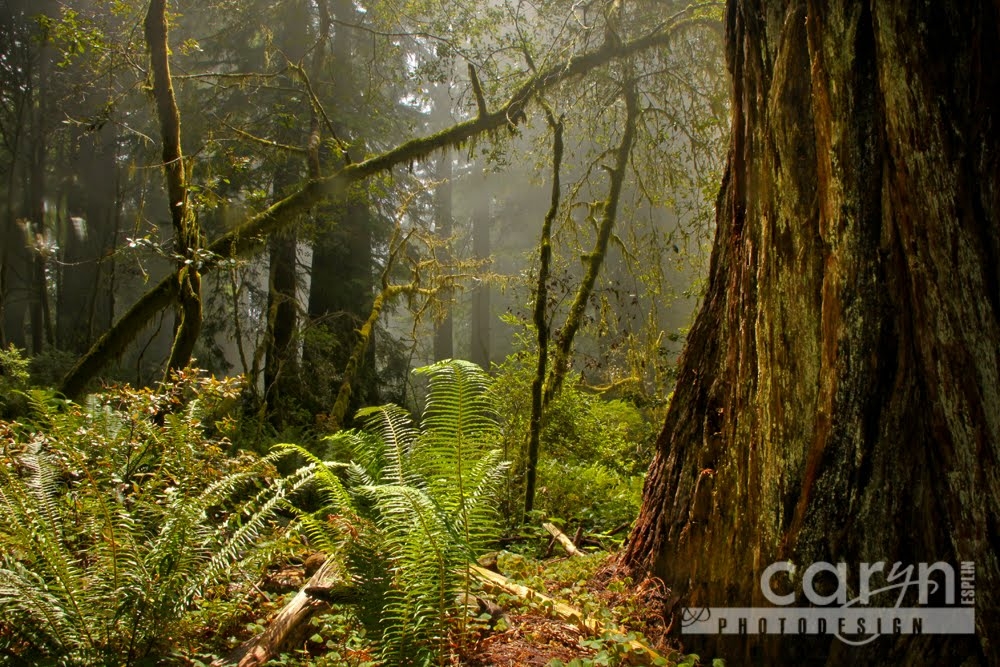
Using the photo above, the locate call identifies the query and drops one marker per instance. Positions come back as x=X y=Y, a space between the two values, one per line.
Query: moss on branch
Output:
x=251 y=236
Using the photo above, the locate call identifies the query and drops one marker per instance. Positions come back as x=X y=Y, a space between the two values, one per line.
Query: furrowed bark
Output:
x=252 y=235
x=839 y=396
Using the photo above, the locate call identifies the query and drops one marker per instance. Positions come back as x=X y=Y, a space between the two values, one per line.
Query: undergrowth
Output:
x=413 y=509
x=119 y=516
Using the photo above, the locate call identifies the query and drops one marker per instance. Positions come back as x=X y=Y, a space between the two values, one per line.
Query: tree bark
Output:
x=839 y=396
x=479 y=349
x=186 y=233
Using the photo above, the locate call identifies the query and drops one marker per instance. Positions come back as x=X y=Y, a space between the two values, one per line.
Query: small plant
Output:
x=425 y=499
x=14 y=377
x=114 y=526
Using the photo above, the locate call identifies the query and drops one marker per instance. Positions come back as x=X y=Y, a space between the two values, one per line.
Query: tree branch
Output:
x=251 y=235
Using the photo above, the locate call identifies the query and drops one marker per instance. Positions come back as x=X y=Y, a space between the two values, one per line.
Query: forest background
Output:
x=316 y=197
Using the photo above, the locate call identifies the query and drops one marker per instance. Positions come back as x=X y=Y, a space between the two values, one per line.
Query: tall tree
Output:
x=839 y=396
x=281 y=341
x=444 y=330
x=482 y=218
x=187 y=237
x=343 y=274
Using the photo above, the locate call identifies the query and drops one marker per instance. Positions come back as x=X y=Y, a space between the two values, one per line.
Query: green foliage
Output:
x=114 y=525
x=14 y=378
x=419 y=505
x=594 y=451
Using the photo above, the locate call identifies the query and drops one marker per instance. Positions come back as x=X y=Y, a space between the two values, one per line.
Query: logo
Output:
x=938 y=600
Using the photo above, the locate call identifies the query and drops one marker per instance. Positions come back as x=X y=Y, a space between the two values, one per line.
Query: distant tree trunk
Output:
x=343 y=276
x=280 y=366
x=482 y=224
x=14 y=267
x=444 y=331
x=38 y=304
x=280 y=361
x=839 y=396
x=84 y=303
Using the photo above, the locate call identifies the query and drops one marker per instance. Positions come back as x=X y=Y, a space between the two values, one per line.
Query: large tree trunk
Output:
x=839 y=398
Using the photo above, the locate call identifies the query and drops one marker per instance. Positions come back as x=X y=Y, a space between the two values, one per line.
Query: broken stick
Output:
x=566 y=543
x=290 y=626
x=494 y=582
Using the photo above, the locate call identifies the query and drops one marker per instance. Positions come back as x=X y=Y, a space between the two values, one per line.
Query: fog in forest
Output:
x=267 y=92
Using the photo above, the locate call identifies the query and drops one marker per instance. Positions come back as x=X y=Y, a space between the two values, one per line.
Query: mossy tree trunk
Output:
x=540 y=315
x=839 y=396
x=594 y=260
x=186 y=234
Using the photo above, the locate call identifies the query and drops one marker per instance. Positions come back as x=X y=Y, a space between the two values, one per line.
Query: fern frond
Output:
x=395 y=428
x=323 y=473
x=264 y=505
x=39 y=614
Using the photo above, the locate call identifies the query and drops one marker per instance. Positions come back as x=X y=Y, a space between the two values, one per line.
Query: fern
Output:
x=416 y=506
x=113 y=527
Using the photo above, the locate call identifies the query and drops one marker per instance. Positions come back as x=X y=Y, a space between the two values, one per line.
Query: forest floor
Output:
x=625 y=619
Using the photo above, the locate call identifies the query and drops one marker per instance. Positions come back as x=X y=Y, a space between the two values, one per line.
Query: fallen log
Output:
x=566 y=543
x=494 y=582
x=290 y=626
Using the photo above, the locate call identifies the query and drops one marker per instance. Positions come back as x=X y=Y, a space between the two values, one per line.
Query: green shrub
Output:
x=114 y=525
x=14 y=380
x=593 y=454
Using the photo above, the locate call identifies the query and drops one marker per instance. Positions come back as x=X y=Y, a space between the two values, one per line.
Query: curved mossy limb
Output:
x=251 y=236
x=595 y=259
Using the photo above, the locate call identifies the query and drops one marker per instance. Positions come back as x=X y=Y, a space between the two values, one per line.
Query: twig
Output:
x=566 y=543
